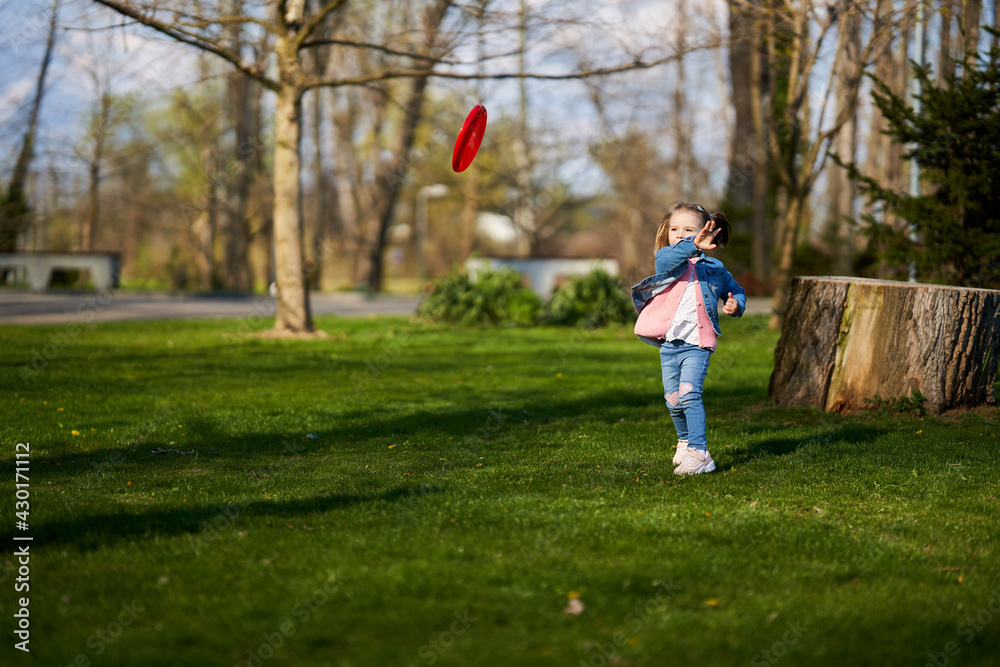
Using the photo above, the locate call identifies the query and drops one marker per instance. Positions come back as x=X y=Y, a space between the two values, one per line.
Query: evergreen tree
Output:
x=955 y=139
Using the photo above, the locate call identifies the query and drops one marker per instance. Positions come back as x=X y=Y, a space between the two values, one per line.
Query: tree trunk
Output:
x=786 y=257
x=739 y=188
x=390 y=175
x=893 y=150
x=94 y=205
x=524 y=212
x=388 y=184
x=100 y=136
x=203 y=231
x=761 y=241
x=847 y=339
x=14 y=205
x=995 y=35
x=319 y=202
x=346 y=183
x=843 y=190
x=971 y=14
x=946 y=61
x=293 y=316
x=243 y=96
x=242 y=92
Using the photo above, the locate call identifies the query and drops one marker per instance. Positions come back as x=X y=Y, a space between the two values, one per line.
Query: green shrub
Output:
x=592 y=300
x=495 y=297
x=898 y=405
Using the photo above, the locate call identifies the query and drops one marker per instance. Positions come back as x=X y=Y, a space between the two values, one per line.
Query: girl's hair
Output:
x=663 y=231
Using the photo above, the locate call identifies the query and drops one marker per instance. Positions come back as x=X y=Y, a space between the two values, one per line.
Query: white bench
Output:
x=104 y=267
x=542 y=273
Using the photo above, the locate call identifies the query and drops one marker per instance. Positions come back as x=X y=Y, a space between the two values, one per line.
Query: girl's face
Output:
x=682 y=225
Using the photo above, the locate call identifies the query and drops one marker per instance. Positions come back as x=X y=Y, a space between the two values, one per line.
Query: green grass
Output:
x=413 y=495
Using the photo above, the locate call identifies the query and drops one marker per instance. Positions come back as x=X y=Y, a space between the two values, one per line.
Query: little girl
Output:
x=678 y=314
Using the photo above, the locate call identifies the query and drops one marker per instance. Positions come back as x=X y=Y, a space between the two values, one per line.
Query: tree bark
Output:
x=294 y=316
x=845 y=340
x=786 y=257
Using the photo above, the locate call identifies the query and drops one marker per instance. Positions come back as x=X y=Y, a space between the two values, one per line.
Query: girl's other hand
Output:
x=732 y=306
x=706 y=237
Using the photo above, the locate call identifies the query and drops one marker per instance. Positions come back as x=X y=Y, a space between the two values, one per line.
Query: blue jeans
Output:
x=684 y=368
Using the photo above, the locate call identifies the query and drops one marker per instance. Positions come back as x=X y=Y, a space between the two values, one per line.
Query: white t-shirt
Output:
x=685 y=324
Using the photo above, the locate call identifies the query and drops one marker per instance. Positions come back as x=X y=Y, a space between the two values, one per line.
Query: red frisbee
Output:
x=471 y=135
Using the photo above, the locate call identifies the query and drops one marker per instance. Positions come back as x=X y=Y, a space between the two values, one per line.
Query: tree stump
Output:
x=847 y=339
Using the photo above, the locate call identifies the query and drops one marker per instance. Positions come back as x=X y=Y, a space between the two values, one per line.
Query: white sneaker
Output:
x=682 y=446
x=695 y=462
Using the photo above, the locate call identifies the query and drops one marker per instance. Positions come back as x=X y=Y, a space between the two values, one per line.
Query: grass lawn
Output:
x=413 y=495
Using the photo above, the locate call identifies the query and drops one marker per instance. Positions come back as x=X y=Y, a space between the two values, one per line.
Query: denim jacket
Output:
x=670 y=264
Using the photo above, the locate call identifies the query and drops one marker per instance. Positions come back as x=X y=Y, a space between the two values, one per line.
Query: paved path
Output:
x=19 y=307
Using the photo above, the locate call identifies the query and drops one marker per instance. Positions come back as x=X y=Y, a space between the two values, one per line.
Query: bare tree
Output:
x=14 y=205
x=799 y=148
x=243 y=96
x=842 y=190
x=739 y=187
x=286 y=31
x=101 y=66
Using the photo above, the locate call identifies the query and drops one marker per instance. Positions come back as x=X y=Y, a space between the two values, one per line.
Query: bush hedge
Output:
x=498 y=297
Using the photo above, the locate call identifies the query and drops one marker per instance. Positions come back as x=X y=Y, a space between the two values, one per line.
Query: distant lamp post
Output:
x=424 y=195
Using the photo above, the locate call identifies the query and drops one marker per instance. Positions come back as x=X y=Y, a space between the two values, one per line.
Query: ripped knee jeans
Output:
x=684 y=368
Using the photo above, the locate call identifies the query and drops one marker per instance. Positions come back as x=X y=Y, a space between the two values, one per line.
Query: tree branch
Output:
x=375 y=47
x=401 y=74
x=316 y=19
x=802 y=85
x=126 y=9
x=222 y=20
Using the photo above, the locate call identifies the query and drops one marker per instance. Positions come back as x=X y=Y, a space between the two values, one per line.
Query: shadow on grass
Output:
x=777 y=447
x=513 y=414
x=205 y=524
x=463 y=422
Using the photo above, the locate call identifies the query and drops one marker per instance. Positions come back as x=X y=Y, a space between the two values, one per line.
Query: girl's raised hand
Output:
x=706 y=237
